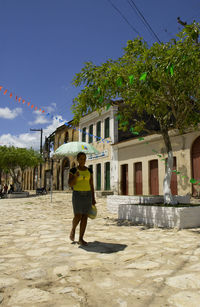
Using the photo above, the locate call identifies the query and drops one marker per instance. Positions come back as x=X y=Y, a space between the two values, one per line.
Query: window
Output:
x=59 y=140
x=107 y=176
x=98 y=176
x=107 y=128
x=84 y=134
x=66 y=137
x=90 y=133
x=98 y=130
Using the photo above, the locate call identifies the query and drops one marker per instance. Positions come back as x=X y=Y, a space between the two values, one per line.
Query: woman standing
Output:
x=81 y=181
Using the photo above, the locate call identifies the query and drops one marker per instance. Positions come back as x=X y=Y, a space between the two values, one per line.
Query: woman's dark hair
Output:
x=80 y=154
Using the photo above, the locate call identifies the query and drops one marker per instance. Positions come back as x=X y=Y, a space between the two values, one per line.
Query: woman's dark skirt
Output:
x=82 y=201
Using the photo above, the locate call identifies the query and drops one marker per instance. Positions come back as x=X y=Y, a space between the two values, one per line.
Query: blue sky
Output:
x=45 y=43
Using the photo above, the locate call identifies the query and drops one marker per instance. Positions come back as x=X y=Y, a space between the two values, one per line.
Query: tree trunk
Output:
x=17 y=185
x=168 y=197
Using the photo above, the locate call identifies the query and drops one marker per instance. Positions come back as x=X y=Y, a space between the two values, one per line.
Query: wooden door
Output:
x=138 y=178
x=195 y=163
x=124 y=179
x=173 y=184
x=154 y=184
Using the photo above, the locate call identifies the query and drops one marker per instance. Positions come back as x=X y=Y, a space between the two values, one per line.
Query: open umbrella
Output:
x=73 y=148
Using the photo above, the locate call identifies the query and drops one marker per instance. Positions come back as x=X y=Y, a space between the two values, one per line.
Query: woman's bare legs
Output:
x=83 y=225
x=75 y=222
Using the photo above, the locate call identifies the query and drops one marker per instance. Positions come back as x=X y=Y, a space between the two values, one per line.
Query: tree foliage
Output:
x=160 y=81
x=12 y=158
x=157 y=84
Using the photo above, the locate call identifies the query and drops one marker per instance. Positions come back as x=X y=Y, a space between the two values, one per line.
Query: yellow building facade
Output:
x=59 y=167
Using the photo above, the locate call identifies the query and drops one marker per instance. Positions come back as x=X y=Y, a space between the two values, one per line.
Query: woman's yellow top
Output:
x=83 y=180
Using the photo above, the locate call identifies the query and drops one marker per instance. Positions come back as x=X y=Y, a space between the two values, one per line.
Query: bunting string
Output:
x=34 y=108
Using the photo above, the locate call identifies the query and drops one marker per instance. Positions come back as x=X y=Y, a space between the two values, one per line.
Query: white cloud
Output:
x=42 y=118
x=39 y=119
x=56 y=122
x=10 y=114
x=31 y=139
x=51 y=108
x=54 y=104
x=23 y=140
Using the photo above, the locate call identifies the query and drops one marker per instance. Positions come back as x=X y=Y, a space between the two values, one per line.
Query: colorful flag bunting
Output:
x=172 y=70
x=108 y=106
x=143 y=76
x=131 y=77
x=119 y=81
x=119 y=117
x=101 y=99
x=193 y=180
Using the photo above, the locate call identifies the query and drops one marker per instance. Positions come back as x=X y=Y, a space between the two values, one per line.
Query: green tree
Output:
x=160 y=83
x=12 y=158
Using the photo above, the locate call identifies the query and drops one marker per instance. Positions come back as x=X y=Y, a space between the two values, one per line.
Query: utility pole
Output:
x=41 y=131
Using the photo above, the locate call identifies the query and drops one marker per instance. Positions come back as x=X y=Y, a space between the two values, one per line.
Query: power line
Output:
x=135 y=11
x=143 y=18
x=124 y=17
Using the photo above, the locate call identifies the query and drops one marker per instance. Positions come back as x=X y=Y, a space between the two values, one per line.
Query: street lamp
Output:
x=41 y=131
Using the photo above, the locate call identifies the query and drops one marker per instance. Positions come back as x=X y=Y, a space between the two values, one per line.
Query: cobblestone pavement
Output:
x=123 y=265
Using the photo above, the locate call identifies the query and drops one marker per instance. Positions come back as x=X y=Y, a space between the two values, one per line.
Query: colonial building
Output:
x=101 y=130
x=58 y=167
x=140 y=170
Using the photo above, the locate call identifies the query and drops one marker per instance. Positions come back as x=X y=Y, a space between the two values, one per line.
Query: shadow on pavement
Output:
x=118 y=222
x=194 y=231
x=101 y=247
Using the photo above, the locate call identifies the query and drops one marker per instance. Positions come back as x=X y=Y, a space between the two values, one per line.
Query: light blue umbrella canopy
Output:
x=73 y=148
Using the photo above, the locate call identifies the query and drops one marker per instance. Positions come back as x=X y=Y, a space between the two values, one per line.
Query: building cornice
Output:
x=94 y=115
x=150 y=138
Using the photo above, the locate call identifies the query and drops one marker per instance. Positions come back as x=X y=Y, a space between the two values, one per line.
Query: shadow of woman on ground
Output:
x=102 y=247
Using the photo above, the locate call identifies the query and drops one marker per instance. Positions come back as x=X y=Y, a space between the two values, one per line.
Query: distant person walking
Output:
x=81 y=181
x=11 y=190
x=5 y=189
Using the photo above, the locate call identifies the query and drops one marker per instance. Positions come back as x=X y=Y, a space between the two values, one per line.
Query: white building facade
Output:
x=101 y=130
